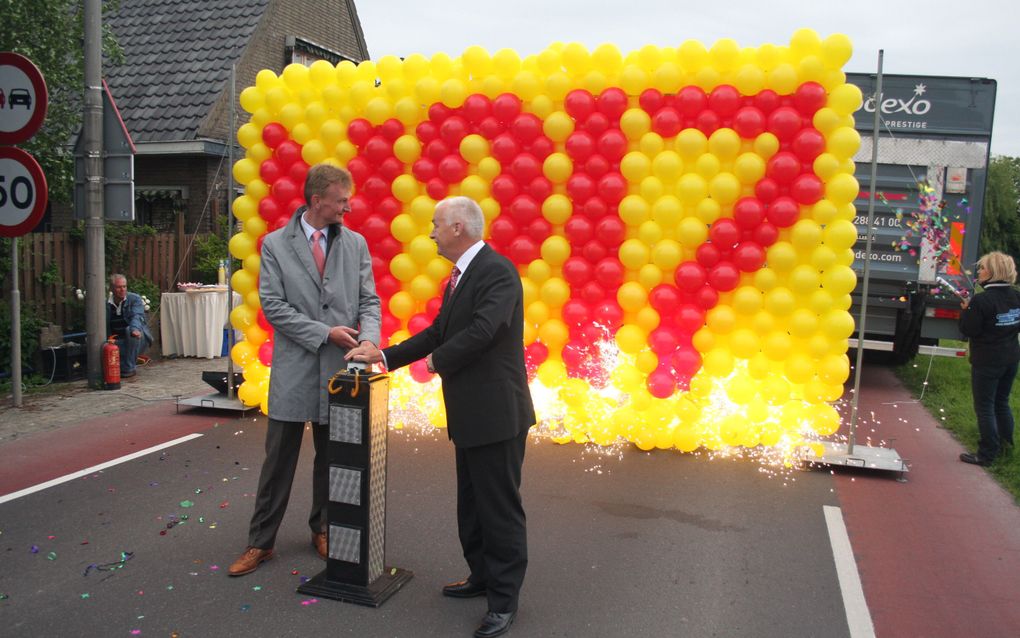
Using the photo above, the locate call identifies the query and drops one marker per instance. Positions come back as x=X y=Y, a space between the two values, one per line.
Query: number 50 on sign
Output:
x=22 y=192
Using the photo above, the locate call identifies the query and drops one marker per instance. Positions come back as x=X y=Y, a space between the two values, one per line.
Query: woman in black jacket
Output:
x=992 y=321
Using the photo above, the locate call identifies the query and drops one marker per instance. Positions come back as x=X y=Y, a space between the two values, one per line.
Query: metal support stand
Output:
x=853 y=455
x=224 y=399
x=355 y=571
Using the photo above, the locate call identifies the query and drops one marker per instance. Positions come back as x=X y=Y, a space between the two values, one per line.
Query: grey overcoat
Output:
x=302 y=309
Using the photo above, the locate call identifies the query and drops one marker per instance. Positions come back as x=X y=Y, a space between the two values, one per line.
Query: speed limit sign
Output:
x=22 y=192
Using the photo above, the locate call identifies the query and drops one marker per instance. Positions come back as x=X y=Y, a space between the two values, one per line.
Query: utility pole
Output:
x=95 y=248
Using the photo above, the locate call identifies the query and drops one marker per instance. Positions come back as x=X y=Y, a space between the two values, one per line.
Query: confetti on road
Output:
x=187 y=503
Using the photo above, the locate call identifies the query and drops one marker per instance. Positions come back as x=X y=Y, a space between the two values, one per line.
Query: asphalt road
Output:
x=648 y=544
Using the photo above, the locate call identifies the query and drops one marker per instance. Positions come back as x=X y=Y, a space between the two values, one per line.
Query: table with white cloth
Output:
x=192 y=322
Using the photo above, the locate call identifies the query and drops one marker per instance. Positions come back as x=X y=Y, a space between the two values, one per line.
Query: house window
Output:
x=301 y=51
x=160 y=207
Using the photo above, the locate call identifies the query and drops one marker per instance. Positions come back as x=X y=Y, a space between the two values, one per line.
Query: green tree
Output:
x=1000 y=228
x=50 y=33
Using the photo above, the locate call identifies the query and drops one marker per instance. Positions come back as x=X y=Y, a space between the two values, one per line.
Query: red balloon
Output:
x=276 y=225
x=476 y=108
x=287 y=153
x=575 y=312
x=525 y=167
x=420 y=371
x=375 y=188
x=783 y=212
x=378 y=148
x=691 y=100
x=808 y=98
x=505 y=148
x=523 y=210
x=748 y=256
x=592 y=293
x=662 y=341
x=387 y=285
x=808 y=144
x=298 y=171
x=612 y=145
x=596 y=166
x=690 y=318
x=426 y=132
x=767 y=100
x=526 y=127
x=375 y=228
x=260 y=318
x=539 y=188
x=612 y=188
x=708 y=254
x=534 y=355
x=765 y=234
x=594 y=251
x=389 y=207
x=285 y=190
x=453 y=130
x=361 y=208
x=579 y=104
x=749 y=122
x=612 y=103
x=360 y=131
x=423 y=169
x=651 y=100
x=504 y=189
x=609 y=315
x=432 y=306
x=523 y=250
x=391 y=129
x=611 y=231
x=270 y=170
x=437 y=189
x=390 y=169
x=439 y=112
x=266 y=353
x=580 y=187
x=274 y=134
x=783 y=167
x=574 y=354
x=576 y=271
x=503 y=230
x=436 y=150
x=686 y=360
x=270 y=209
x=807 y=189
x=595 y=209
x=388 y=248
x=666 y=122
x=580 y=145
x=418 y=322
x=748 y=212
x=390 y=324
x=784 y=123
x=539 y=229
x=707 y=122
x=706 y=297
x=665 y=299
x=724 y=276
x=661 y=384
x=766 y=190
x=579 y=230
x=360 y=169
x=541 y=147
x=506 y=107
x=689 y=276
x=452 y=169
x=609 y=273
x=490 y=127
x=724 y=100
x=596 y=124
x=724 y=233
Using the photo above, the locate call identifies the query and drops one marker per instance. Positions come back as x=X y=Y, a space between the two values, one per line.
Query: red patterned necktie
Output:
x=317 y=254
x=454 y=276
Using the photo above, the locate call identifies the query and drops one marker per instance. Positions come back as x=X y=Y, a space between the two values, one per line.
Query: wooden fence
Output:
x=52 y=267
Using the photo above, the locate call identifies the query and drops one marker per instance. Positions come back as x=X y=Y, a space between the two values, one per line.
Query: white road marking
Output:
x=858 y=618
x=95 y=468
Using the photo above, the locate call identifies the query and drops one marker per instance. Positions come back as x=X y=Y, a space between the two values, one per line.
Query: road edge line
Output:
x=95 y=468
x=858 y=617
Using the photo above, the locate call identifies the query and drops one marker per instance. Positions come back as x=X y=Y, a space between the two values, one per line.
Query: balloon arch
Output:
x=681 y=218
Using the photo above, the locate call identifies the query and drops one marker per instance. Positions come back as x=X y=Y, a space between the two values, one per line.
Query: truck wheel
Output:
x=908 y=329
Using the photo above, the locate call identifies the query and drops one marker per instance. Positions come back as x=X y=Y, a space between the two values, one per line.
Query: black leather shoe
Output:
x=974 y=459
x=495 y=624
x=463 y=589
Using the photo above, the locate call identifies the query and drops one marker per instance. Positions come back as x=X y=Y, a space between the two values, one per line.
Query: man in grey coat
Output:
x=318 y=293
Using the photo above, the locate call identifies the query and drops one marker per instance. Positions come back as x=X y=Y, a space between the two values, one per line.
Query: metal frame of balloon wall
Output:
x=681 y=218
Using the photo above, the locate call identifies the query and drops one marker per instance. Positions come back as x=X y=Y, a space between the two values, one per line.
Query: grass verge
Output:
x=945 y=383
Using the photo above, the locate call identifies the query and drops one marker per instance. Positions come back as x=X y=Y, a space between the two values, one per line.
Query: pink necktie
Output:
x=454 y=276
x=317 y=254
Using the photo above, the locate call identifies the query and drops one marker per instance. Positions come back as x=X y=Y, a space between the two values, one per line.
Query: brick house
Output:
x=173 y=89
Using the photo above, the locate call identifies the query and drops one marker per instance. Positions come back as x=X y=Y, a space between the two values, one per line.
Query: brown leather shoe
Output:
x=249 y=561
x=321 y=544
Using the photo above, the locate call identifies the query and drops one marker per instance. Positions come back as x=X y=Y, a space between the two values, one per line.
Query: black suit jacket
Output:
x=477 y=346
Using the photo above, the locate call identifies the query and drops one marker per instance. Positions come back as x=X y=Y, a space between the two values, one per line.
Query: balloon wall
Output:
x=681 y=218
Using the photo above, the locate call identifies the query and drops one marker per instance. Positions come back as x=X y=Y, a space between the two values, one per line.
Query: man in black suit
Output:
x=476 y=346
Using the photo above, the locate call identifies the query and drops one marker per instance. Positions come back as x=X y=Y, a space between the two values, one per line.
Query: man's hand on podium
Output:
x=366 y=352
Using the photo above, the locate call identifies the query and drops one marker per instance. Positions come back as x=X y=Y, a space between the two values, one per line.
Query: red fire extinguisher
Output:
x=111 y=364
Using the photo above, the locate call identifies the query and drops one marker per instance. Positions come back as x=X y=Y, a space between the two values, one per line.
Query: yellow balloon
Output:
x=747 y=300
x=667 y=211
x=721 y=319
x=718 y=362
x=845 y=99
x=536 y=313
x=805 y=235
x=558 y=126
x=692 y=188
x=557 y=167
x=836 y=50
x=724 y=144
x=407 y=148
x=766 y=145
x=839 y=280
x=839 y=234
x=724 y=188
x=242 y=317
x=635 y=166
x=631 y=296
x=241 y=245
x=245 y=171
x=667 y=255
x=554 y=334
x=475 y=188
x=804 y=279
x=402 y=304
x=799 y=367
x=777 y=346
x=647 y=319
x=749 y=168
x=635 y=123
x=691 y=232
x=824 y=419
x=474 y=148
x=634 y=254
x=635 y=210
x=630 y=339
x=555 y=250
x=838 y=325
x=780 y=301
x=557 y=209
x=843 y=143
x=690 y=143
x=405 y=188
x=555 y=292
x=782 y=79
x=243 y=353
x=422 y=249
x=245 y=207
x=744 y=343
x=781 y=256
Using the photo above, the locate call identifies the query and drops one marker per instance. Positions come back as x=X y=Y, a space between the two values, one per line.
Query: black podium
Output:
x=355 y=568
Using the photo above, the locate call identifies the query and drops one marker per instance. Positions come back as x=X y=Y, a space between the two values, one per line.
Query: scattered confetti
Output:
x=245 y=607
x=310 y=601
x=187 y=503
x=109 y=567
x=34 y=549
x=224 y=505
x=257 y=588
x=4 y=596
x=136 y=632
x=86 y=596
x=51 y=556
x=50 y=537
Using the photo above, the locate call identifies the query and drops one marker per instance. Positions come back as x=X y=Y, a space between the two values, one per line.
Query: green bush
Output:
x=31 y=324
x=210 y=250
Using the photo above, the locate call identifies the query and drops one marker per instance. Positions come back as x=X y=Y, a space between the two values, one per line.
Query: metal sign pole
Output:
x=851 y=438
x=15 y=327
x=230 y=227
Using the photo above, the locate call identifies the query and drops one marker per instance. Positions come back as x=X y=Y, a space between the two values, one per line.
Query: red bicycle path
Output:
x=938 y=555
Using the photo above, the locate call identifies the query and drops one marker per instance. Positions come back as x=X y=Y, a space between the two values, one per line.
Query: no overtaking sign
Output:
x=23 y=101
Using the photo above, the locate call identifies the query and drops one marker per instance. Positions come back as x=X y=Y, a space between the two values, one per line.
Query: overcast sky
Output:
x=975 y=38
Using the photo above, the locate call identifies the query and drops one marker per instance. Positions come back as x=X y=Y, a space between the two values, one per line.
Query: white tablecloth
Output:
x=192 y=323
